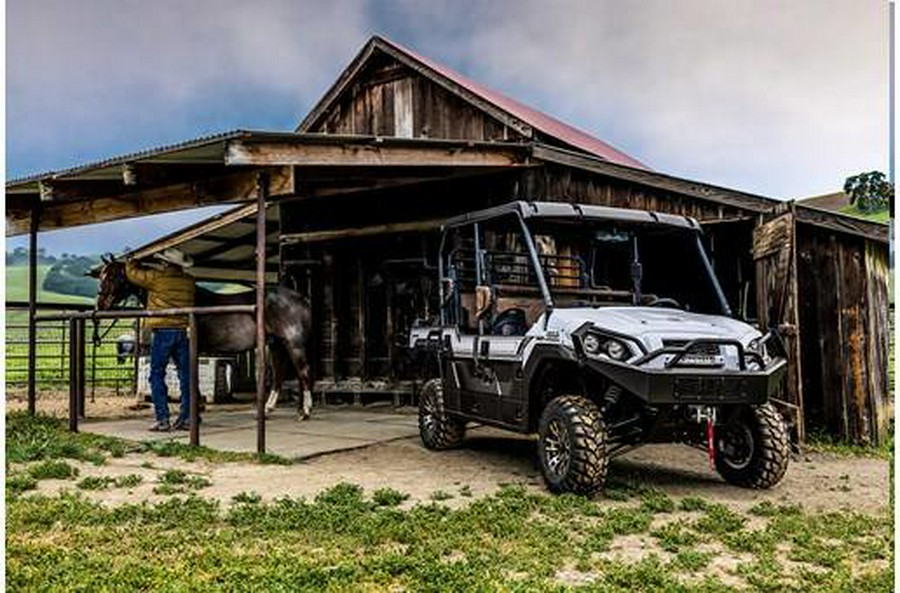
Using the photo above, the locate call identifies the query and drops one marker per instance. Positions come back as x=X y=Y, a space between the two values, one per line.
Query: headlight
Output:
x=598 y=345
x=616 y=349
x=591 y=344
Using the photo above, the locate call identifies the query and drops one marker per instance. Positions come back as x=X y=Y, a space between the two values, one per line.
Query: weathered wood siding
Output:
x=843 y=320
x=775 y=254
x=392 y=100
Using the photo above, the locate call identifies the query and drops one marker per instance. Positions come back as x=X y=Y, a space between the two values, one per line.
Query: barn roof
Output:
x=223 y=246
x=524 y=118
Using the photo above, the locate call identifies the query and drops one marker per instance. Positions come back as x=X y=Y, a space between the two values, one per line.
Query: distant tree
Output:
x=68 y=276
x=870 y=192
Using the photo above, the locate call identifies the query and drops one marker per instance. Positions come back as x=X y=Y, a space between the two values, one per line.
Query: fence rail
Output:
x=102 y=367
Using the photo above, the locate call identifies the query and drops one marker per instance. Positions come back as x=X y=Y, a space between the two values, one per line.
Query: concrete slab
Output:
x=330 y=429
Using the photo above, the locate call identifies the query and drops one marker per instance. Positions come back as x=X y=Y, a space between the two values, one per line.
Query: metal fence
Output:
x=103 y=368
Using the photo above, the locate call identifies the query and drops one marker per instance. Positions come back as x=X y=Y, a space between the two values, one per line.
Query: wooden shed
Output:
x=400 y=142
x=820 y=277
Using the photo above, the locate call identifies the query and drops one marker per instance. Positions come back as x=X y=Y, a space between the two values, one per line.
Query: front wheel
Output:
x=752 y=448
x=572 y=445
x=437 y=429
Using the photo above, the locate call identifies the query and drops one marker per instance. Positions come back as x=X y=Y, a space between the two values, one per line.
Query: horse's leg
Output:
x=297 y=354
x=276 y=360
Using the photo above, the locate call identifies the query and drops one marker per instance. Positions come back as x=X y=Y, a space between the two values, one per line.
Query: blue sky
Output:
x=782 y=99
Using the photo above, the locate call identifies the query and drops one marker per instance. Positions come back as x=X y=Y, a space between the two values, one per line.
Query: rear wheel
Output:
x=572 y=445
x=436 y=428
x=752 y=447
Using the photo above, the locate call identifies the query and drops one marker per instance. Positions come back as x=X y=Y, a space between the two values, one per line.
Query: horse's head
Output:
x=114 y=285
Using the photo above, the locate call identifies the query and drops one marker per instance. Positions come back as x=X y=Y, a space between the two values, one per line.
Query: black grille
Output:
x=708 y=349
x=711 y=388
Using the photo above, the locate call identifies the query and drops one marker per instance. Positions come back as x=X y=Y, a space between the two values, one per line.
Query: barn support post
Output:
x=194 y=380
x=32 y=309
x=262 y=194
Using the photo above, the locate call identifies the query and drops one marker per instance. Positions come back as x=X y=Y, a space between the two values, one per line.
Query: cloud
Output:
x=780 y=98
x=86 y=76
x=785 y=99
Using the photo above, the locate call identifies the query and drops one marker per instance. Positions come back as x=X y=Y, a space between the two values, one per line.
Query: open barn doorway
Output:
x=730 y=247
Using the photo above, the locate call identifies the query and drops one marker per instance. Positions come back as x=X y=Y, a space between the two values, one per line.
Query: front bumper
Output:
x=694 y=386
x=679 y=383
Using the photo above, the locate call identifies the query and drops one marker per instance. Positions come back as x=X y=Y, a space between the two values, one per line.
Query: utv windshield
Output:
x=603 y=262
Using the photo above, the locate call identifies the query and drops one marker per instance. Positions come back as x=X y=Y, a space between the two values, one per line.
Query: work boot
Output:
x=184 y=424
x=160 y=426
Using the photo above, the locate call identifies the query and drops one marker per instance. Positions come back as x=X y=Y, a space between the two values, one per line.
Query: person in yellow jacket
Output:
x=168 y=287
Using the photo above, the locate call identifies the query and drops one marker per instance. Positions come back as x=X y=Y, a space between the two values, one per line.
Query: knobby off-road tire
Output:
x=572 y=445
x=752 y=447
x=437 y=429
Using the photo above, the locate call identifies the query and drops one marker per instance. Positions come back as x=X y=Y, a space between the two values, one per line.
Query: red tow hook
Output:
x=708 y=414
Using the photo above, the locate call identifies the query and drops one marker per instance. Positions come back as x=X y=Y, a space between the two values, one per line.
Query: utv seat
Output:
x=511 y=322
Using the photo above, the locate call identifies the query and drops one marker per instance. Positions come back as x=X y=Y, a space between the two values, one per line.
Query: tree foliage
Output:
x=870 y=192
x=68 y=276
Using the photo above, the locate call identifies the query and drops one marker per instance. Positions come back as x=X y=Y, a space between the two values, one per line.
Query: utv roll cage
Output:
x=537 y=264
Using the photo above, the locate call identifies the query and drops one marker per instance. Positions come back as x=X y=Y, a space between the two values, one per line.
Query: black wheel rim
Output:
x=557 y=452
x=428 y=415
x=736 y=445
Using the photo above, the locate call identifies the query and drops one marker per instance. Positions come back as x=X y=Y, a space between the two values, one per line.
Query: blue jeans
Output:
x=169 y=343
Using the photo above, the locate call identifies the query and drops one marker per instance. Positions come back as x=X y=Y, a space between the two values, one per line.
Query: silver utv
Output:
x=599 y=329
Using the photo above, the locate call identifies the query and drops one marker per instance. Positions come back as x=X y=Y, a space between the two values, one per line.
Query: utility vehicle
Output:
x=600 y=329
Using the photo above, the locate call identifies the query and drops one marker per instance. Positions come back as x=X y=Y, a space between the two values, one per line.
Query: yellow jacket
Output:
x=167 y=288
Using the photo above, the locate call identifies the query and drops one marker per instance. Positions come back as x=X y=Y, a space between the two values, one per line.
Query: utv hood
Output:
x=649 y=325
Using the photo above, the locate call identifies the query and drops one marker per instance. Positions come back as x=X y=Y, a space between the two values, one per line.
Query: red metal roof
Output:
x=534 y=118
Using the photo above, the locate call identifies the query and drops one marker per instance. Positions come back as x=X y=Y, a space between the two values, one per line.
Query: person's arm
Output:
x=140 y=275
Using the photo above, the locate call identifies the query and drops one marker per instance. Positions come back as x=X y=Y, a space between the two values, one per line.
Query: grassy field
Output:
x=17 y=287
x=52 y=362
x=346 y=539
x=879 y=216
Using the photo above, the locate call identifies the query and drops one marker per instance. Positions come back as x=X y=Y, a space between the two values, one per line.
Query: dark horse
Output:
x=287 y=319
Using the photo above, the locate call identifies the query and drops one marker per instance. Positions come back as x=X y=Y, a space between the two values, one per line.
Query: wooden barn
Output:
x=400 y=142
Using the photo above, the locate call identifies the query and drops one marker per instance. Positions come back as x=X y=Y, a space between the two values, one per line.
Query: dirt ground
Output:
x=104 y=403
x=490 y=459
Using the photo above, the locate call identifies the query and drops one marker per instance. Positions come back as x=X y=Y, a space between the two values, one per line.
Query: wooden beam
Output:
x=241 y=241
x=198 y=230
x=235 y=187
x=685 y=187
x=381 y=229
x=231 y=274
x=239 y=152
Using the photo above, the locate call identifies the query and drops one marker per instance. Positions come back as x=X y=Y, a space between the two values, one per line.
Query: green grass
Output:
x=878 y=216
x=344 y=540
x=39 y=437
x=823 y=443
x=348 y=539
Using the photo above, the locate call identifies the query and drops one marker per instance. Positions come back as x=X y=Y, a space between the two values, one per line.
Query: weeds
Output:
x=52 y=469
x=95 y=483
x=388 y=497
x=18 y=483
x=176 y=481
x=246 y=498
x=128 y=481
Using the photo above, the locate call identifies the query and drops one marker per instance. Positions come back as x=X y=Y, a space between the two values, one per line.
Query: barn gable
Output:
x=388 y=90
